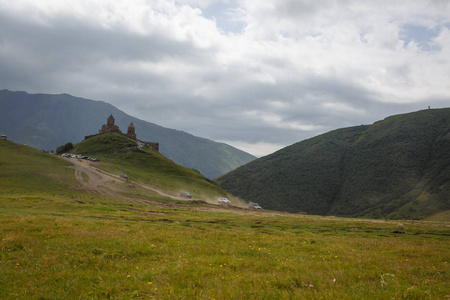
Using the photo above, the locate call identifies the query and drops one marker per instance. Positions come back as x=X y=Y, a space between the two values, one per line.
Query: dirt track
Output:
x=98 y=181
x=101 y=182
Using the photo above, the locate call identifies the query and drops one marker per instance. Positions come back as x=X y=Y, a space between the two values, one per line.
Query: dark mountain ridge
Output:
x=46 y=121
x=396 y=168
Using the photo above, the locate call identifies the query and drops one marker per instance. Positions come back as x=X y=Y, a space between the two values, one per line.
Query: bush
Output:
x=64 y=148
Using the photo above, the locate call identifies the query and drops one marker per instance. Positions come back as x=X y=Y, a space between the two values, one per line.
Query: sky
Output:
x=255 y=74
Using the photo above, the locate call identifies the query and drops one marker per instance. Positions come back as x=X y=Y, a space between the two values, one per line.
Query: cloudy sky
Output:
x=256 y=74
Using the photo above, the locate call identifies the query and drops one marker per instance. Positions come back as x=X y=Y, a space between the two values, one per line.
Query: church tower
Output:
x=110 y=121
x=109 y=126
x=131 y=131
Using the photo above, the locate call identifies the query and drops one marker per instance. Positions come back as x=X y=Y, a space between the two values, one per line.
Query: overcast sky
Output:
x=256 y=74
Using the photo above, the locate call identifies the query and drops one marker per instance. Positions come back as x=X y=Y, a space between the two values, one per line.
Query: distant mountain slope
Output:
x=395 y=168
x=47 y=121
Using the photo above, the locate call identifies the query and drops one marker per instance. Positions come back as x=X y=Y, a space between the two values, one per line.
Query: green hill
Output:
x=46 y=121
x=144 y=165
x=28 y=171
x=395 y=168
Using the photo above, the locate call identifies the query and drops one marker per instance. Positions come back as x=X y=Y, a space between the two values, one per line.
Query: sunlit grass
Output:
x=126 y=251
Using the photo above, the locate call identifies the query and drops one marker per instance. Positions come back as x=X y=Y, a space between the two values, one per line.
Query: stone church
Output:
x=111 y=127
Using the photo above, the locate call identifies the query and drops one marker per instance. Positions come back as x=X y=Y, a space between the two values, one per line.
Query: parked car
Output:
x=224 y=201
x=123 y=176
x=185 y=195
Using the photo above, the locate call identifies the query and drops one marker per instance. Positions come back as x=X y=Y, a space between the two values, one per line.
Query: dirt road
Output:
x=98 y=181
x=101 y=182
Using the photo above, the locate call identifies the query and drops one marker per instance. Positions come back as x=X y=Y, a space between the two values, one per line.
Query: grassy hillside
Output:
x=144 y=165
x=395 y=168
x=47 y=121
x=25 y=171
x=60 y=242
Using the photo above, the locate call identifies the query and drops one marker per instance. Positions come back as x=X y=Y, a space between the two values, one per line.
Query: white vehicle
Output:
x=224 y=201
x=255 y=206
x=185 y=195
x=123 y=176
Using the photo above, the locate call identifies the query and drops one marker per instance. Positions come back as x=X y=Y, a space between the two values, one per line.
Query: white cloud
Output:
x=290 y=69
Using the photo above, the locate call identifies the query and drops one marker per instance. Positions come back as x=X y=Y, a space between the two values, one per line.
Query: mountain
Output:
x=395 y=168
x=46 y=121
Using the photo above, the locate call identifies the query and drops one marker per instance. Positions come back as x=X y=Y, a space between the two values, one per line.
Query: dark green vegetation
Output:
x=395 y=168
x=60 y=242
x=47 y=121
x=64 y=148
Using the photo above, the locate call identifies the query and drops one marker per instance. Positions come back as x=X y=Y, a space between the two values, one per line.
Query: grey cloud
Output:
x=176 y=83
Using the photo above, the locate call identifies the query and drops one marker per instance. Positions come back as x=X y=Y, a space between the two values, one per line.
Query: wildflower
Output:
x=128 y=276
x=150 y=282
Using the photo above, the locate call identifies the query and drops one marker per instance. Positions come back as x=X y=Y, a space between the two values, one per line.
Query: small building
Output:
x=3 y=137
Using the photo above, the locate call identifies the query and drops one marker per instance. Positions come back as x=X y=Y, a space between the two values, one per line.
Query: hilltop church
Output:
x=111 y=127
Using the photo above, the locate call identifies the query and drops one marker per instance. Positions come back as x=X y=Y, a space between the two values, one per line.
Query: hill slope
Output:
x=151 y=176
x=396 y=168
x=47 y=121
x=120 y=154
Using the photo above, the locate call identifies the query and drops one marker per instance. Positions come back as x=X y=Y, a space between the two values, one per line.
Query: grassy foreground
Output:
x=56 y=248
x=59 y=242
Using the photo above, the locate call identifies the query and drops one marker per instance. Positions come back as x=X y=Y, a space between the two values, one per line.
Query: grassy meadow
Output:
x=57 y=242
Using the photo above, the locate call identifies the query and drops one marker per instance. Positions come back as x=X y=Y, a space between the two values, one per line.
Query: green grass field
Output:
x=57 y=242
